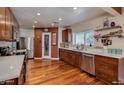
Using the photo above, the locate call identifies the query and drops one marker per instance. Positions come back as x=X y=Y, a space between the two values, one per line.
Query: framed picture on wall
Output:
x=54 y=38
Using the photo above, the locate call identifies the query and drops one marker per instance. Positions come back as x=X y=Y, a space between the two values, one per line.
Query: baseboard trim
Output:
x=37 y=58
x=30 y=58
x=54 y=58
x=46 y=58
x=51 y=58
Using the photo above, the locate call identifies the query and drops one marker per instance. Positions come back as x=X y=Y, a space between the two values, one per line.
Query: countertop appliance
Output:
x=88 y=63
x=4 y=51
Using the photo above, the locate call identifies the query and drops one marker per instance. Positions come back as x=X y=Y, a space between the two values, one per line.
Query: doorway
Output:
x=46 y=45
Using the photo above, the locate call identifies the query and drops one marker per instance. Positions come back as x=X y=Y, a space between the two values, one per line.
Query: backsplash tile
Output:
x=5 y=43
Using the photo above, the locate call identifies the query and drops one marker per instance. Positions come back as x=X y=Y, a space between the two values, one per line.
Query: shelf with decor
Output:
x=108 y=28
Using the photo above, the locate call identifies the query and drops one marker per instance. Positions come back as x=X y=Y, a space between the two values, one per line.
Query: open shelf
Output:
x=115 y=27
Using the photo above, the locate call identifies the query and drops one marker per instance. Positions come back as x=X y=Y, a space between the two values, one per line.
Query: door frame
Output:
x=46 y=33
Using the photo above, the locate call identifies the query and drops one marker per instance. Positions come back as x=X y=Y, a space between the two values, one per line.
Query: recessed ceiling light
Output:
x=60 y=19
x=38 y=14
x=33 y=26
x=35 y=22
x=52 y=24
x=74 y=8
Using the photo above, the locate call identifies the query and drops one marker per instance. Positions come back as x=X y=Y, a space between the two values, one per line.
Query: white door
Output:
x=46 y=45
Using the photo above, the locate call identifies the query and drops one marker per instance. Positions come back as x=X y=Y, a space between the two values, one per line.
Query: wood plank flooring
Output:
x=48 y=72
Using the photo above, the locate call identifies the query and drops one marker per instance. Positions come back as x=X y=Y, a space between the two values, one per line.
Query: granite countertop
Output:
x=10 y=67
x=96 y=52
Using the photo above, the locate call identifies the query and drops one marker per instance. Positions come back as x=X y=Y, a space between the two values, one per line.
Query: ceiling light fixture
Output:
x=60 y=19
x=74 y=8
x=38 y=14
x=35 y=22
x=52 y=24
x=33 y=26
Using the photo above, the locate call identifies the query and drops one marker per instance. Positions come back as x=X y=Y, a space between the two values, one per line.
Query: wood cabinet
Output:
x=67 y=35
x=2 y=23
x=78 y=58
x=7 y=23
x=71 y=57
x=8 y=31
x=106 y=69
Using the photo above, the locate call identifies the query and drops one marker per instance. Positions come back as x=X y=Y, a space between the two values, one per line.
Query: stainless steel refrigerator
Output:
x=26 y=43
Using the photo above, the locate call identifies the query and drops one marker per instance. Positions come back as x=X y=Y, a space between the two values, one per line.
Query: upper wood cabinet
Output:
x=8 y=24
x=8 y=32
x=2 y=23
x=67 y=35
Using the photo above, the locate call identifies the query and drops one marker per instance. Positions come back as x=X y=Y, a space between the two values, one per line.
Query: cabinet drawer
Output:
x=108 y=60
x=106 y=68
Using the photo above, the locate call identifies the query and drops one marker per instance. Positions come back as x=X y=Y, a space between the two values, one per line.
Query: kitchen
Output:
x=79 y=45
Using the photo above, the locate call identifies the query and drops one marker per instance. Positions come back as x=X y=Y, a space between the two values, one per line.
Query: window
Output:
x=89 y=37
x=85 y=37
x=79 y=38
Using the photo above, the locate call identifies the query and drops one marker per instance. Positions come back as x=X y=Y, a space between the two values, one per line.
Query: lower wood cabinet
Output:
x=106 y=69
x=71 y=57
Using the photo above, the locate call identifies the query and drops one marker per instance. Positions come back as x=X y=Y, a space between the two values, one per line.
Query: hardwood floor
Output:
x=57 y=73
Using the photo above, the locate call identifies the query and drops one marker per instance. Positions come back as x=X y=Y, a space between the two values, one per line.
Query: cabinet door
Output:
x=2 y=23
x=106 y=69
x=61 y=54
x=78 y=59
x=67 y=35
x=64 y=36
x=72 y=58
x=8 y=33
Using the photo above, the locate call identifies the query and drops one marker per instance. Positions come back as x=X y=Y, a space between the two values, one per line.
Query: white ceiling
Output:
x=27 y=15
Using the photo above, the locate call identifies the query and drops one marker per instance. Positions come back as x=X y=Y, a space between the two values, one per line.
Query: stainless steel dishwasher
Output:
x=88 y=63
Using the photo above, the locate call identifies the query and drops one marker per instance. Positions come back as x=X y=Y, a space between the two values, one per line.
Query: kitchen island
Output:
x=12 y=69
x=104 y=66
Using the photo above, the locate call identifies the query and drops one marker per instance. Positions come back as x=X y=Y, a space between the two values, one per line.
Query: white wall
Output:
x=96 y=23
x=60 y=35
x=5 y=43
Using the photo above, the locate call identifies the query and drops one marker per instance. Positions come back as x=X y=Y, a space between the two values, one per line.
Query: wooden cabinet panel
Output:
x=8 y=32
x=7 y=21
x=71 y=57
x=106 y=68
x=78 y=59
x=67 y=35
x=2 y=23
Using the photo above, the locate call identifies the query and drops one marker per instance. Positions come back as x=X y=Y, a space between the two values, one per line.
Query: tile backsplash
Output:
x=5 y=43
